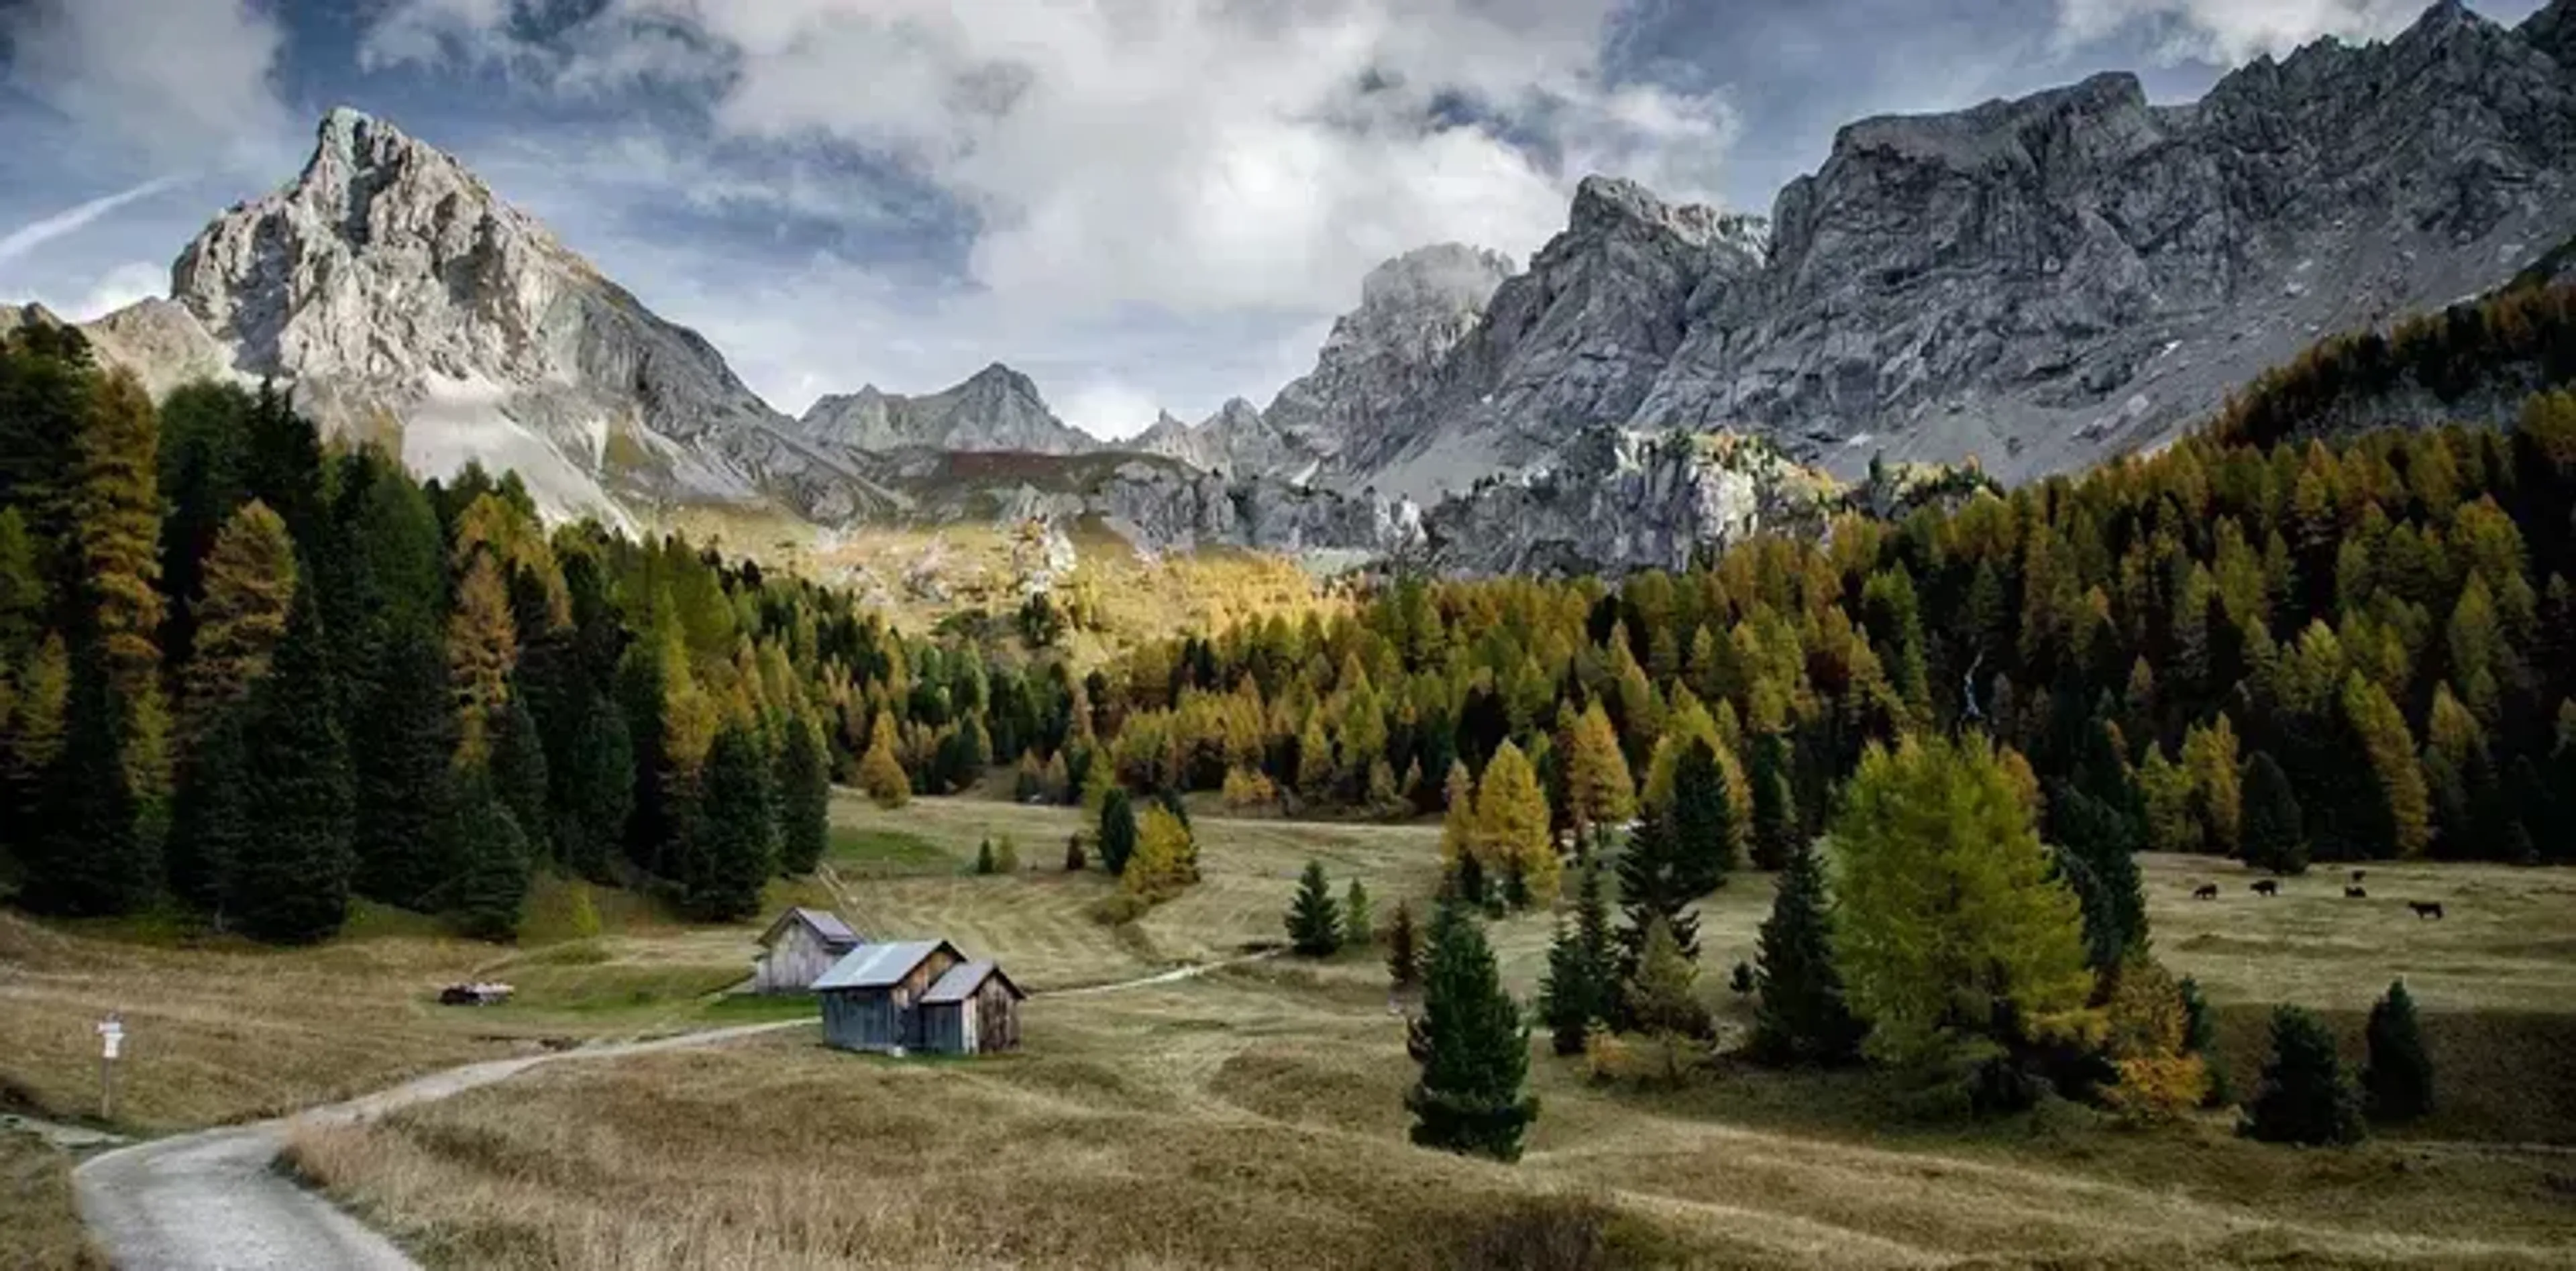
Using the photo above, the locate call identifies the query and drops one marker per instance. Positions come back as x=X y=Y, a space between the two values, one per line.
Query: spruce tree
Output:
x=984 y=857
x=2200 y=1037
x=2306 y=1096
x=1702 y=821
x=1359 y=926
x=1314 y=920
x=2397 y=1084
x=1582 y=982
x=517 y=768
x=1802 y=1017
x=1653 y=885
x=2272 y=832
x=88 y=855
x=210 y=817
x=1117 y=831
x=1472 y=1046
x=400 y=774
x=291 y=880
x=1775 y=804
x=594 y=786
x=489 y=853
x=732 y=847
x=1663 y=996
x=1403 y=950
x=804 y=798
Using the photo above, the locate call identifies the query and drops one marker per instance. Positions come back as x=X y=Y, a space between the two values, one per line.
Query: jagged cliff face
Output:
x=1616 y=501
x=1236 y=441
x=2037 y=284
x=996 y=409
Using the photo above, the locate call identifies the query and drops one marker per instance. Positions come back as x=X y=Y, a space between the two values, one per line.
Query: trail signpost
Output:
x=111 y=1040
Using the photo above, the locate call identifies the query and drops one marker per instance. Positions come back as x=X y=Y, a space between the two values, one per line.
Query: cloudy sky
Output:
x=1143 y=203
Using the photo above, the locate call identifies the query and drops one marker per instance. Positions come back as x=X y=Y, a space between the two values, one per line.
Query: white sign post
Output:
x=111 y=1040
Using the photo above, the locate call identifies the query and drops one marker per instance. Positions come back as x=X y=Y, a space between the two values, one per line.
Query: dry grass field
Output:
x=37 y=1226
x=1253 y=1117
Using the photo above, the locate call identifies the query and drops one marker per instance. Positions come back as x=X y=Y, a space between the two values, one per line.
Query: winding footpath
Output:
x=212 y=1200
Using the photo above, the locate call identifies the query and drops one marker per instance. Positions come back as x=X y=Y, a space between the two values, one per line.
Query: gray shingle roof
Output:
x=876 y=966
x=835 y=933
x=961 y=981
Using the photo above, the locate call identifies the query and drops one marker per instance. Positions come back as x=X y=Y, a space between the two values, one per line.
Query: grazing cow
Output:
x=2425 y=908
x=2356 y=874
x=2355 y=893
x=2267 y=887
x=2206 y=891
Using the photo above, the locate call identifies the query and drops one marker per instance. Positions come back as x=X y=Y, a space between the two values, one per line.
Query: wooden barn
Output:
x=972 y=1009
x=918 y=995
x=798 y=948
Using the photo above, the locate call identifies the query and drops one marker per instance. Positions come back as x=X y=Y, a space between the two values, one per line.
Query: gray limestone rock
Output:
x=996 y=409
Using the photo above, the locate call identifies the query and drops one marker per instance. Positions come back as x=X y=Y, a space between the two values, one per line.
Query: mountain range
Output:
x=2031 y=285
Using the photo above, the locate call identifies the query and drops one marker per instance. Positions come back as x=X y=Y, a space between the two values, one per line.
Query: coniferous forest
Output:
x=253 y=675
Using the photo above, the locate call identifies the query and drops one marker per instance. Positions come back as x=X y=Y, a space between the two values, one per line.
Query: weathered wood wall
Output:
x=793 y=964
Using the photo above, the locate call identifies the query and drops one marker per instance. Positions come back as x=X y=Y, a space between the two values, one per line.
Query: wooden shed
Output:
x=872 y=996
x=798 y=948
x=972 y=1009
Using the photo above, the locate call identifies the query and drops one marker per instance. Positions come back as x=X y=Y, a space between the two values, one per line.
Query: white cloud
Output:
x=37 y=233
x=1106 y=408
x=190 y=81
x=1192 y=156
x=2230 y=31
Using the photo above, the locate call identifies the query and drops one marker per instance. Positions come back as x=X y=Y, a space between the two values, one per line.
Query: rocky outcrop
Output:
x=995 y=409
x=1235 y=441
x=2036 y=283
x=1616 y=501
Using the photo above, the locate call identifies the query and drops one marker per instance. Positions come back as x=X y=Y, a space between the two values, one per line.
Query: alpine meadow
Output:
x=2018 y=711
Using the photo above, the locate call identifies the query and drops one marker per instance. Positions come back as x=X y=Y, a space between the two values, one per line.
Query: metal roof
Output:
x=877 y=966
x=824 y=922
x=961 y=981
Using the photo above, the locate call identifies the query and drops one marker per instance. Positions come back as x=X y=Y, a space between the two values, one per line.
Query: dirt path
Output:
x=1173 y=976
x=211 y=1199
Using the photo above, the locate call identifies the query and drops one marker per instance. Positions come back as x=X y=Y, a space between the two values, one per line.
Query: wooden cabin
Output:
x=972 y=1009
x=872 y=996
x=798 y=948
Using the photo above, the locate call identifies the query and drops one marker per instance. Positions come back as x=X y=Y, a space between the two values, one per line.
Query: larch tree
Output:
x=482 y=650
x=1599 y=790
x=1159 y=866
x=1952 y=932
x=2149 y=1042
x=1512 y=825
x=881 y=774
x=1472 y=1047
x=116 y=521
x=1802 y=1016
x=291 y=880
x=2400 y=823
x=1403 y=951
x=249 y=584
x=1458 y=817
x=1663 y=996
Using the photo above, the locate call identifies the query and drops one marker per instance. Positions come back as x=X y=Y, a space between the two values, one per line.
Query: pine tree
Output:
x=291 y=880
x=881 y=774
x=1511 y=826
x=1359 y=926
x=2306 y=1095
x=1314 y=920
x=1663 y=995
x=210 y=815
x=480 y=836
x=594 y=786
x=1403 y=956
x=804 y=798
x=400 y=775
x=1702 y=821
x=1943 y=886
x=2397 y=1084
x=1802 y=1016
x=733 y=846
x=88 y=854
x=2273 y=834
x=1117 y=833
x=984 y=857
x=2201 y=1038
x=1652 y=887
x=240 y=616
x=517 y=769
x=1472 y=1046
x=1776 y=833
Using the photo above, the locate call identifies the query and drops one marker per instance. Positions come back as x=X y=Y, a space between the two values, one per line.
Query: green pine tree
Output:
x=210 y=818
x=594 y=786
x=984 y=857
x=1403 y=951
x=2306 y=1096
x=480 y=835
x=1702 y=821
x=1117 y=831
x=804 y=798
x=1653 y=885
x=732 y=848
x=88 y=854
x=1581 y=986
x=1314 y=920
x=2397 y=1084
x=291 y=880
x=1359 y=926
x=1802 y=1017
x=2200 y=1037
x=518 y=772
x=2273 y=835
x=401 y=773
x=1775 y=804
x=1472 y=1046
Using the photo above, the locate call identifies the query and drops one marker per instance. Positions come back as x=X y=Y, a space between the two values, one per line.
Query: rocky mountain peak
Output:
x=996 y=408
x=2553 y=31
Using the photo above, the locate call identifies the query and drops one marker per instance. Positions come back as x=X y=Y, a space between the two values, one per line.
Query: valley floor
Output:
x=1253 y=1116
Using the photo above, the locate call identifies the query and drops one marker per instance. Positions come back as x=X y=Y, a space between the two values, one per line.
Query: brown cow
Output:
x=2206 y=891
x=2425 y=908
x=2267 y=887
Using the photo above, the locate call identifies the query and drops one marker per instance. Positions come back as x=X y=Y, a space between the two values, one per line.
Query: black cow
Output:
x=2206 y=891
x=2267 y=887
x=2355 y=893
x=2356 y=874
x=2425 y=908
